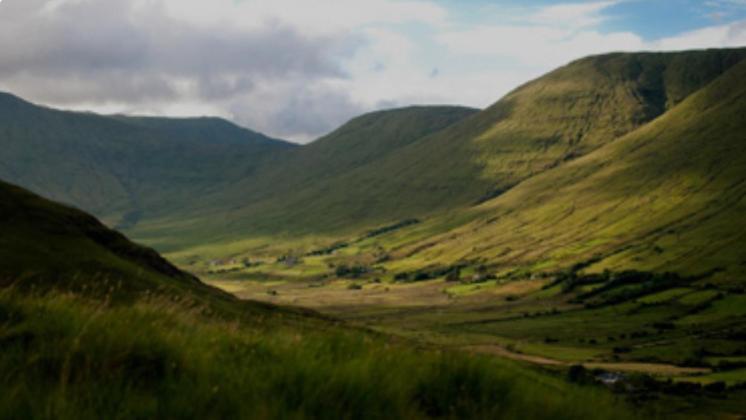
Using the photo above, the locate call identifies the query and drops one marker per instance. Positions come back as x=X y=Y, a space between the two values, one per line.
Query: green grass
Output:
x=68 y=357
x=665 y=296
x=727 y=308
x=731 y=377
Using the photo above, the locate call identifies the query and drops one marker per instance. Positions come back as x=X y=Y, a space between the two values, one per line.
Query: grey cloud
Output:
x=104 y=87
x=113 y=51
x=303 y=113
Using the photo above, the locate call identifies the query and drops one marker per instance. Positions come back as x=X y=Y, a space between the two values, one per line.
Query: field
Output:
x=682 y=330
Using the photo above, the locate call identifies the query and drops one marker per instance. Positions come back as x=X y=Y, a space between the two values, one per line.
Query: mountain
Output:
x=123 y=168
x=177 y=184
x=289 y=190
x=49 y=245
x=669 y=196
x=322 y=189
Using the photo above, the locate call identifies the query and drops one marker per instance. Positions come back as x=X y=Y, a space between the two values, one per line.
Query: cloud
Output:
x=317 y=17
x=542 y=40
x=550 y=35
x=572 y=15
x=297 y=69
x=92 y=38
x=538 y=44
x=305 y=111
x=137 y=55
x=728 y=35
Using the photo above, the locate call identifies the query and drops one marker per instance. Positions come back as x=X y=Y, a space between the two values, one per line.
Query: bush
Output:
x=344 y=271
x=716 y=387
x=454 y=275
x=577 y=374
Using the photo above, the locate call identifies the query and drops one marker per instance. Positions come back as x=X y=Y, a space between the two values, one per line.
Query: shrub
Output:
x=577 y=374
x=344 y=271
x=716 y=387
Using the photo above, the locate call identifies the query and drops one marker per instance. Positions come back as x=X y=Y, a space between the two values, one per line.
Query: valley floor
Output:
x=679 y=336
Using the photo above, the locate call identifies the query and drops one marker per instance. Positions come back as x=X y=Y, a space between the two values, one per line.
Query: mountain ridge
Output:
x=123 y=167
x=540 y=125
x=196 y=187
x=587 y=202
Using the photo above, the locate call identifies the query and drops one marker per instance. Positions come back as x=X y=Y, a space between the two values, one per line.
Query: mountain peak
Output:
x=8 y=99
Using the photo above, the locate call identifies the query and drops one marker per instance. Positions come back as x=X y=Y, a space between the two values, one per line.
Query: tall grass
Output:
x=66 y=357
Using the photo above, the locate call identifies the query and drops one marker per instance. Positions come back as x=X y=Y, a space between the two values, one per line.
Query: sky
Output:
x=297 y=69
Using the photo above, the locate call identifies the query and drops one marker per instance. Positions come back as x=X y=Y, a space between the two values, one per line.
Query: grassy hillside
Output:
x=177 y=184
x=46 y=246
x=305 y=180
x=544 y=124
x=45 y=240
x=668 y=196
x=93 y=326
x=67 y=358
x=121 y=168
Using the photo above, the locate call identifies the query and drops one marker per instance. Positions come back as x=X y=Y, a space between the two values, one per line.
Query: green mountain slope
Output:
x=93 y=326
x=49 y=245
x=305 y=179
x=122 y=168
x=542 y=125
x=668 y=196
x=360 y=142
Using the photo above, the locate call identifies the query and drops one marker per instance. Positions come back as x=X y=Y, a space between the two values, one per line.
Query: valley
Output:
x=585 y=234
x=593 y=261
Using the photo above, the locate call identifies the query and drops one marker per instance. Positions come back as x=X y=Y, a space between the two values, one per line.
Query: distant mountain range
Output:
x=616 y=154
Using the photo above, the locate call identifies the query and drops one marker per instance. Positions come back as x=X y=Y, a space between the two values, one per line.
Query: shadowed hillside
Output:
x=123 y=168
x=46 y=245
x=308 y=180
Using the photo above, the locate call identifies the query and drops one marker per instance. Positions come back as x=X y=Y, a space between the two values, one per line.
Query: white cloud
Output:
x=555 y=35
x=531 y=45
x=535 y=44
x=728 y=35
x=547 y=37
x=572 y=15
x=317 y=16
